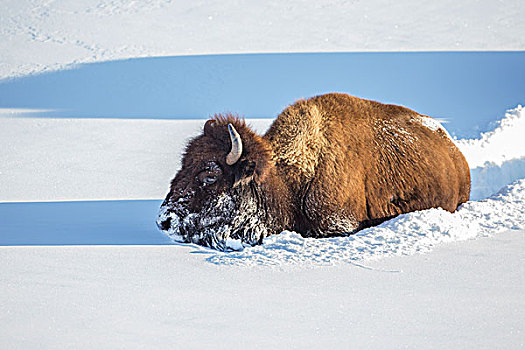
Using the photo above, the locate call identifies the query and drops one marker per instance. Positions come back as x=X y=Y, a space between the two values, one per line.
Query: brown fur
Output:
x=359 y=164
x=334 y=164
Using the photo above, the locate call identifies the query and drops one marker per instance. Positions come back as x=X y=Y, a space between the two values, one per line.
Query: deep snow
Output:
x=467 y=89
x=46 y=159
x=81 y=223
x=464 y=294
x=407 y=234
x=498 y=157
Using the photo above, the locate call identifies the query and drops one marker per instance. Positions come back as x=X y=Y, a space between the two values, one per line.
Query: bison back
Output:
x=351 y=163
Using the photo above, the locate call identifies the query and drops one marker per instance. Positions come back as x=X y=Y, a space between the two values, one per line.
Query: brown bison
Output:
x=328 y=166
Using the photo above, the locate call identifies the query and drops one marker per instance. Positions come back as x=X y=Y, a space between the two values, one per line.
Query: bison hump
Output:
x=298 y=137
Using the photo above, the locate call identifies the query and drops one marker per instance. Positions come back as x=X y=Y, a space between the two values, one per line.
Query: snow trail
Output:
x=407 y=234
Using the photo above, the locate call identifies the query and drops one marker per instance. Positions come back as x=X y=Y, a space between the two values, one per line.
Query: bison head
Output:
x=214 y=200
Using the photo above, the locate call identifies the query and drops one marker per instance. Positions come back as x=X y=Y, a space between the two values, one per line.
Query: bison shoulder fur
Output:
x=329 y=165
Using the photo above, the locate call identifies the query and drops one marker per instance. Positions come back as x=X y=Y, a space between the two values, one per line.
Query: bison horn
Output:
x=236 y=150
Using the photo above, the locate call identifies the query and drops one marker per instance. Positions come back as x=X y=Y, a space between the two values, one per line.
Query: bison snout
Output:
x=164 y=225
x=164 y=219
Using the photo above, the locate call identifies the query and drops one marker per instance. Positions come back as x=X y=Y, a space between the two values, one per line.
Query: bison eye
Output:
x=207 y=178
x=210 y=174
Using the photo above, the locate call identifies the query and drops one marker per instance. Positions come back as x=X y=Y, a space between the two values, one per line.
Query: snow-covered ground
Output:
x=84 y=183
x=498 y=157
x=38 y=35
x=97 y=159
x=290 y=291
x=464 y=295
x=133 y=160
x=91 y=159
x=467 y=89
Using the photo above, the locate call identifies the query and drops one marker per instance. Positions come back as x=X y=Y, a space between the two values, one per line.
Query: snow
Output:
x=499 y=145
x=91 y=159
x=462 y=295
x=149 y=152
x=126 y=222
x=444 y=85
x=87 y=190
x=407 y=234
x=497 y=158
x=38 y=36
x=433 y=124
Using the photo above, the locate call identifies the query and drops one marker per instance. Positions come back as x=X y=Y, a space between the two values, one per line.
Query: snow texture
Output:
x=38 y=36
x=499 y=145
x=262 y=85
x=433 y=124
x=497 y=158
x=46 y=159
x=465 y=295
x=407 y=234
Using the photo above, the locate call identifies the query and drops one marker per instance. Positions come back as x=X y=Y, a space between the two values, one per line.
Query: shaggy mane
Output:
x=229 y=118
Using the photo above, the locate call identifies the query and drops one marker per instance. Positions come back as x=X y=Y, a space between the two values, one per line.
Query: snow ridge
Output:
x=497 y=158
x=407 y=234
x=499 y=145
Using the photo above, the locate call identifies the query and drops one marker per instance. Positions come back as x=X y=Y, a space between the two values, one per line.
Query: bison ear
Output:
x=244 y=173
x=208 y=127
x=216 y=131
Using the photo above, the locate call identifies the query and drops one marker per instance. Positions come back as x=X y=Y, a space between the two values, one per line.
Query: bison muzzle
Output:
x=328 y=166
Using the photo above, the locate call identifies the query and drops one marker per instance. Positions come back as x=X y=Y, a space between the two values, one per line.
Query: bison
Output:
x=328 y=166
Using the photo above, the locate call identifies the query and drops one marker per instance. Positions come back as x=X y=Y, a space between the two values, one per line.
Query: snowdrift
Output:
x=406 y=234
x=497 y=158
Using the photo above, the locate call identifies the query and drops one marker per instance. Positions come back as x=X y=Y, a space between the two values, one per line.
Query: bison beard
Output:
x=225 y=222
x=328 y=166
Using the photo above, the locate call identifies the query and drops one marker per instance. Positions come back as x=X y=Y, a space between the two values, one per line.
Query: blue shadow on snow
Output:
x=81 y=223
x=469 y=89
